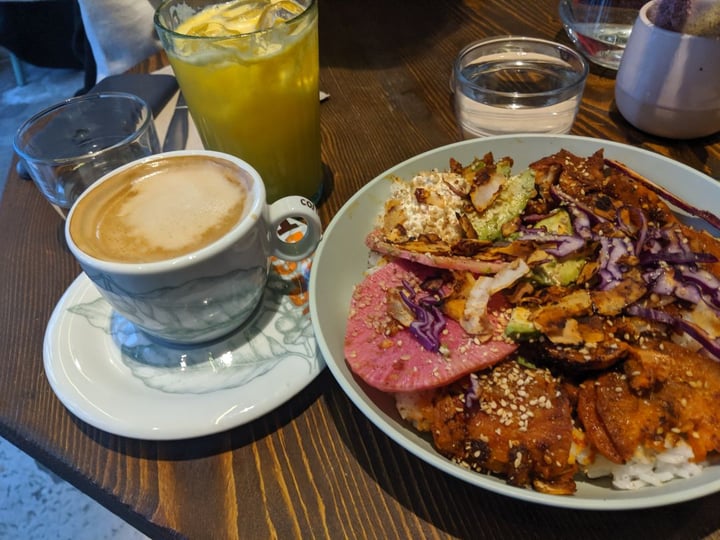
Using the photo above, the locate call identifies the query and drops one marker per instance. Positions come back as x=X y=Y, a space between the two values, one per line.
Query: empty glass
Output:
x=600 y=28
x=71 y=144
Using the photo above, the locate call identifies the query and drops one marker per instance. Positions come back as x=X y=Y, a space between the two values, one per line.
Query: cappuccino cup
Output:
x=179 y=243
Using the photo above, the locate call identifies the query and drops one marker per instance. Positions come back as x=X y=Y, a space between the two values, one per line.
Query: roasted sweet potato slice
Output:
x=517 y=425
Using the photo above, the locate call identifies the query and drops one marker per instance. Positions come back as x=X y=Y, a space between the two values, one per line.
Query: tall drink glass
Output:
x=249 y=72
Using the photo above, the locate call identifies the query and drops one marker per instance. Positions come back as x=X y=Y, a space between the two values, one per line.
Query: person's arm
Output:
x=120 y=33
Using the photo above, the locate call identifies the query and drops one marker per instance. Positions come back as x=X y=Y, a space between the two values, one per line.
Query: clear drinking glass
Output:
x=71 y=144
x=600 y=28
x=249 y=72
x=514 y=84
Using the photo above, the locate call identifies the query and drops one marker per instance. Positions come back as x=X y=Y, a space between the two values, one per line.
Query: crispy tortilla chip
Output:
x=433 y=256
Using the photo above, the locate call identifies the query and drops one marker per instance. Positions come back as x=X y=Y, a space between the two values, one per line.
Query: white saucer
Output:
x=113 y=377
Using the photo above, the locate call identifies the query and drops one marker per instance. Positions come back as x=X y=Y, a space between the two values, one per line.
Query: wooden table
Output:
x=315 y=467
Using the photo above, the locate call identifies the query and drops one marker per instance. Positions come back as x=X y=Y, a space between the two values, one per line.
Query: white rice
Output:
x=646 y=469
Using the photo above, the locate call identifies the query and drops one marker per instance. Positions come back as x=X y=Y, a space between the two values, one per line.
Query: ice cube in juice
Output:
x=253 y=92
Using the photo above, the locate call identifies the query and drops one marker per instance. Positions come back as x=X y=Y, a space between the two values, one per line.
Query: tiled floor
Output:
x=37 y=505
x=34 y=503
x=17 y=103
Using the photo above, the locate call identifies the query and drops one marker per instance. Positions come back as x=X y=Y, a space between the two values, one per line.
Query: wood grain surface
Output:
x=315 y=467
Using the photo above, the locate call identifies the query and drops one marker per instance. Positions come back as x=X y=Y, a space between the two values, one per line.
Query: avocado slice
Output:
x=520 y=326
x=557 y=272
x=509 y=203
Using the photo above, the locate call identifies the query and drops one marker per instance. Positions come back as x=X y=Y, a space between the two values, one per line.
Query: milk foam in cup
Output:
x=179 y=243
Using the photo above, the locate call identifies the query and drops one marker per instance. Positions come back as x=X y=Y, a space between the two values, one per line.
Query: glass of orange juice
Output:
x=249 y=72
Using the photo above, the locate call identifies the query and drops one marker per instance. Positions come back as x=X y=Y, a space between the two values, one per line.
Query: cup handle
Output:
x=294 y=207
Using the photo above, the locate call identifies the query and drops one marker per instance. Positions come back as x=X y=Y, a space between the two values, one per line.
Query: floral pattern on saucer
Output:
x=278 y=330
x=115 y=378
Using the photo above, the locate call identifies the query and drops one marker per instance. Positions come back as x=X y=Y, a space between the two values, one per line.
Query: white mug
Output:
x=136 y=234
x=668 y=83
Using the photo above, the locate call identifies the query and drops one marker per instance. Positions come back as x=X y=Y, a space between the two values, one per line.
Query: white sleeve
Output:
x=120 y=33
